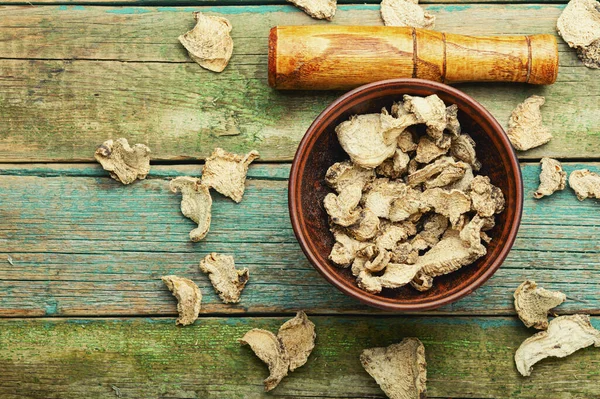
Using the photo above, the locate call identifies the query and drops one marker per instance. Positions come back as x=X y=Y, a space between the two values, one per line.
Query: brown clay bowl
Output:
x=319 y=149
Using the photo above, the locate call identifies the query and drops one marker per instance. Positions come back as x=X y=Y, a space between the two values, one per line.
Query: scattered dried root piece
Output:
x=533 y=303
x=452 y=204
x=400 y=369
x=405 y=13
x=226 y=172
x=125 y=163
x=196 y=203
x=463 y=148
x=525 y=129
x=487 y=198
x=288 y=350
x=189 y=298
x=318 y=9
x=209 y=43
x=579 y=26
x=586 y=184
x=452 y=123
x=552 y=178
x=227 y=281
x=343 y=174
x=345 y=248
x=410 y=207
x=342 y=208
x=565 y=335
x=406 y=141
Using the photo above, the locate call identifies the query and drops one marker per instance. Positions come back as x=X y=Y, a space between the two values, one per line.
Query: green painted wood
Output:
x=83 y=244
x=152 y=358
x=227 y=2
x=90 y=72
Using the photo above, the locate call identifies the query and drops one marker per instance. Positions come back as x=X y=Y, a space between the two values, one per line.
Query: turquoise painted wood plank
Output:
x=152 y=358
x=83 y=244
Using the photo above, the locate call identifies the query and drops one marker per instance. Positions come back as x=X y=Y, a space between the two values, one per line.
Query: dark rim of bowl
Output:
x=296 y=174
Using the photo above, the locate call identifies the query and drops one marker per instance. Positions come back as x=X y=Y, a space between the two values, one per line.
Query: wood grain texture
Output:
x=93 y=72
x=85 y=245
x=152 y=358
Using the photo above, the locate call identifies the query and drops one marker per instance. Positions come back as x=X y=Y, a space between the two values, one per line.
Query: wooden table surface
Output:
x=83 y=312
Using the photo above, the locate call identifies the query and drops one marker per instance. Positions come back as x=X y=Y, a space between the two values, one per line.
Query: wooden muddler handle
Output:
x=323 y=57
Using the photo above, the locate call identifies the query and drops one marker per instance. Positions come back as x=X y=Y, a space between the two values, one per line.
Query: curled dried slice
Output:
x=471 y=232
x=394 y=167
x=487 y=198
x=271 y=351
x=463 y=149
x=345 y=248
x=449 y=255
x=525 y=128
x=410 y=206
x=342 y=208
x=393 y=233
x=406 y=141
x=366 y=227
x=381 y=193
x=318 y=9
x=226 y=172
x=434 y=227
x=579 y=26
x=405 y=253
x=405 y=13
x=565 y=335
x=196 y=203
x=427 y=150
x=452 y=204
x=586 y=184
x=380 y=262
x=343 y=174
x=422 y=282
x=400 y=369
x=124 y=163
x=533 y=303
x=209 y=43
x=189 y=298
x=429 y=110
x=395 y=276
x=439 y=173
x=452 y=123
x=464 y=183
x=298 y=337
x=227 y=281
x=552 y=178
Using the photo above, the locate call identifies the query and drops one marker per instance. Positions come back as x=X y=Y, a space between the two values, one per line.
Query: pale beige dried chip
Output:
x=406 y=141
x=380 y=261
x=409 y=206
x=394 y=167
x=189 y=298
x=298 y=337
x=391 y=234
x=342 y=208
x=533 y=303
x=226 y=172
x=429 y=110
x=209 y=43
x=586 y=184
x=487 y=198
x=124 y=163
x=579 y=26
x=227 y=281
x=318 y=9
x=452 y=123
x=463 y=149
x=196 y=203
x=525 y=128
x=406 y=13
x=366 y=227
x=565 y=335
x=400 y=369
x=268 y=348
x=422 y=282
x=452 y=204
x=381 y=193
x=405 y=253
x=440 y=173
x=552 y=178
x=434 y=226
x=345 y=248
x=464 y=183
x=395 y=276
x=343 y=174
x=428 y=150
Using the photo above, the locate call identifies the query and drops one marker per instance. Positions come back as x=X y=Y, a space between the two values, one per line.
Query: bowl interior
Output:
x=320 y=149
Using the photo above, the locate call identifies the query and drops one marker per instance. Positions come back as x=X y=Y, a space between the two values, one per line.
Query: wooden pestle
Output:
x=322 y=57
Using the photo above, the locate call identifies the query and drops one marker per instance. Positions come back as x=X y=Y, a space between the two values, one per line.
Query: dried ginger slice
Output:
x=427 y=150
x=565 y=335
x=381 y=193
x=406 y=13
x=452 y=204
x=209 y=43
x=345 y=249
x=487 y=198
x=533 y=303
x=579 y=26
x=189 y=298
x=343 y=174
x=440 y=173
x=298 y=337
x=318 y=9
x=463 y=149
x=124 y=163
x=525 y=128
x=394 y=167
x=434 y=226
x=225 y=278
x=400 y=369
x=196 y=203
x=366 y=227
x=226 y=172
x=552 y=178
x=586 y=184
x=395 y=276
x=431 y=111
x=342 y=208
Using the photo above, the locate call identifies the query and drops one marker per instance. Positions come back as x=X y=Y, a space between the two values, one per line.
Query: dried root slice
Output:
x=400 y=369
x=565 y=335
x=342 y=208
x=196 y=203
x=427 y=150
x=525 y=129
x=189 y=298
x=298 y=337
x=406 y=13
x=226 y=172
x=442 y=172
x=452 y=123
x=380 y=195
x=410 y=206
x=431 y=111
x=586 y=184
x=366 y=227
x=318 y=9
x=395 y=276
x=394 y=167
x=434 y=226
x=345 y=249
x=452 y=204
x=552 y=178
x=124 y=163
x=227 y=281
x=209 y=43
x=579 y=26
x=487 y=198
x=271 y=351
x=422 y=282
x=343 y=174
x=533 y=303
x=406 y=141
x=463 y=148
x=391 y=234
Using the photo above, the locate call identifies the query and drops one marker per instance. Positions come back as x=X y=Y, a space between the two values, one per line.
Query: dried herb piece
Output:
x=318 y=9
x=226 y=172
x=394 y=167
x=579 y=26
x=196 y=203
x=343 y=174
x=431 y=111
x=487 y=198
x=342 y=208
x=406 y=13
x=552 y=178
x=380 y=194
x=565 y=335
x=124 y=163
x=366 y=227
x=586 y=184
x=345 y=248
x=225 y=278
x=452 y=204
x=209 y=43
x=395 y=276
x=440 y=173
x=298 y=337
x=533 y=303
x=188 y=297
x=400 y=369
x=427 y=150
x=463 y=148
x=525 y=128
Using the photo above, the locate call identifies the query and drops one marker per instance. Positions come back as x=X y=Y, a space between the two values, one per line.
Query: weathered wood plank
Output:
x=93 y=72
x=83 y=244
x=227 y=2
x=152 y=358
